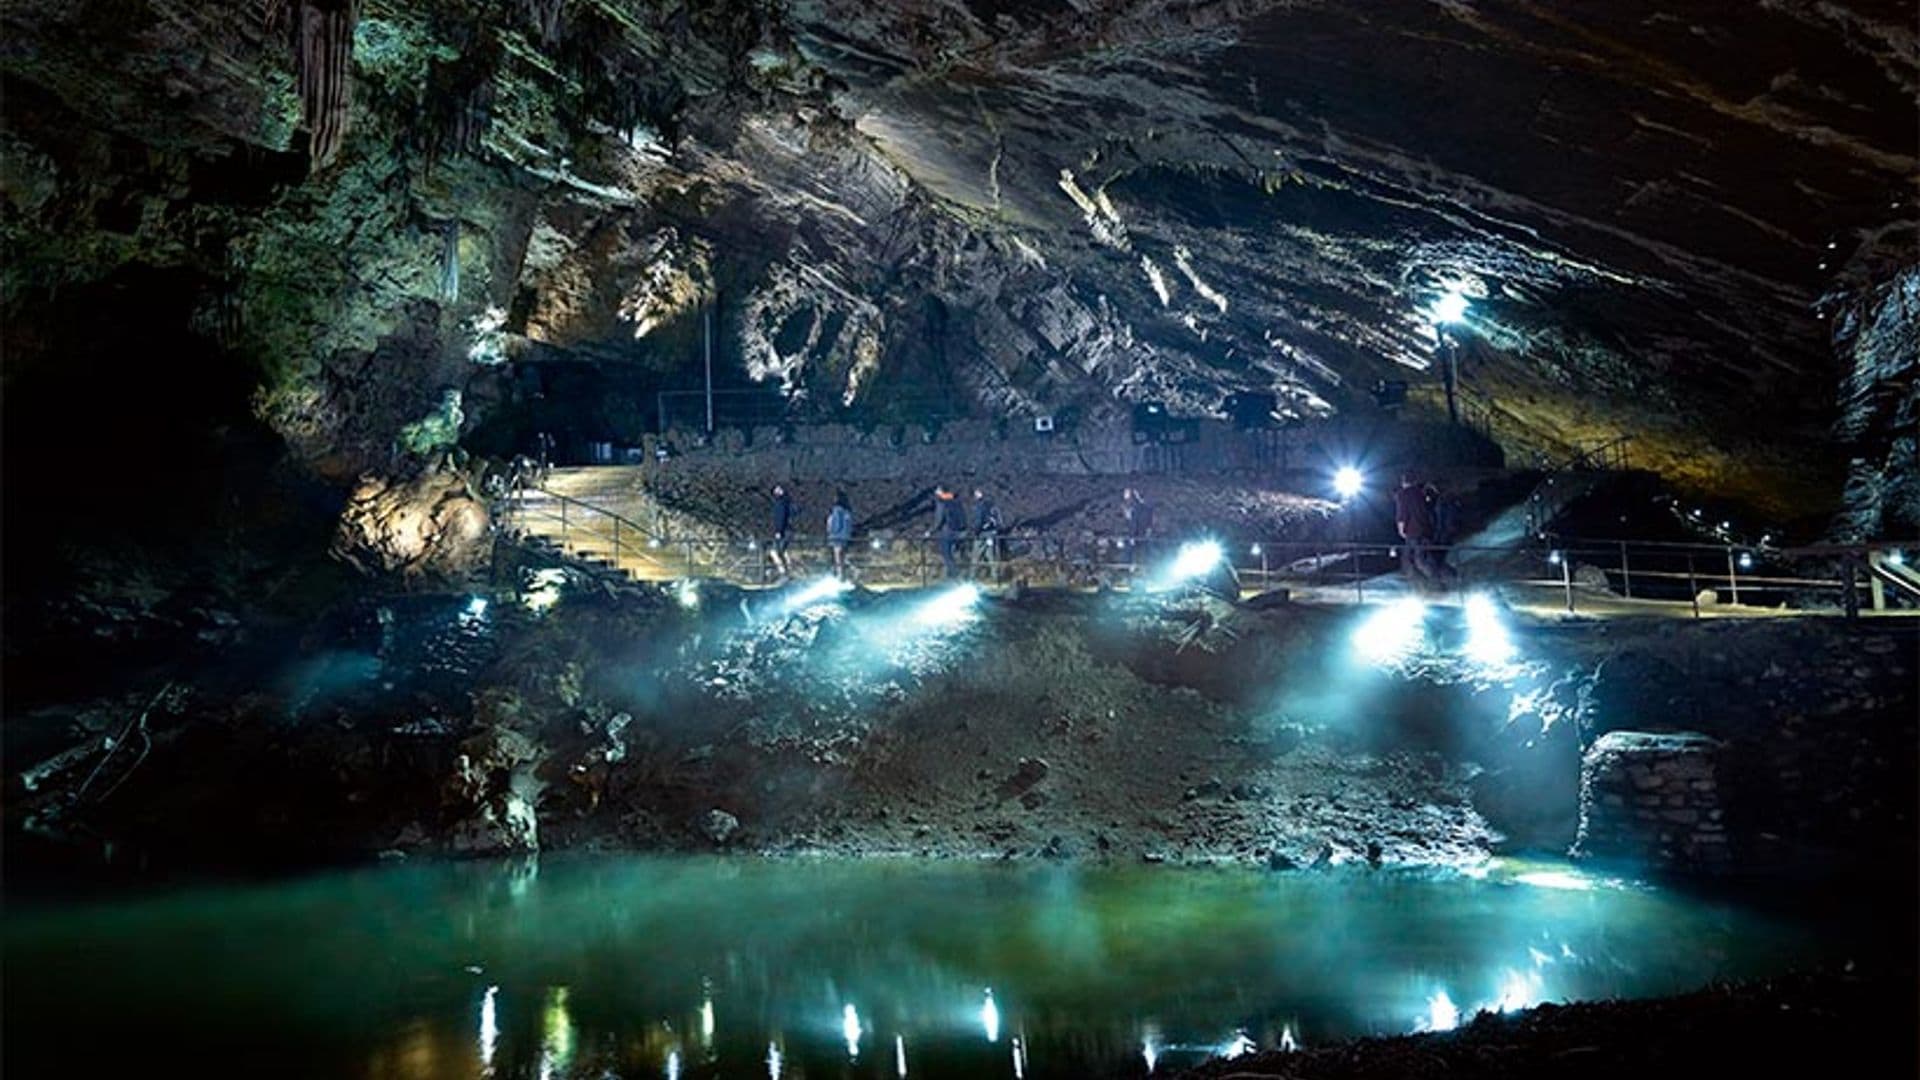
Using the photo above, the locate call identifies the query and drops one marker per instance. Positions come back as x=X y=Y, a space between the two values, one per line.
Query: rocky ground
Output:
x=1177 y=729
x=1802 y=1025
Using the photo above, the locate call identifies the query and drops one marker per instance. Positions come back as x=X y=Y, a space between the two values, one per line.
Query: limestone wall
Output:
x=974 y=447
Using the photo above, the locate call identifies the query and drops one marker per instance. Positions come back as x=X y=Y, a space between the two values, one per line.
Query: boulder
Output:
x=719 y=826
x=429 y=525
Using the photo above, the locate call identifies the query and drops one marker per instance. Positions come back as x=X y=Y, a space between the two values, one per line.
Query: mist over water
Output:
x=658 y=966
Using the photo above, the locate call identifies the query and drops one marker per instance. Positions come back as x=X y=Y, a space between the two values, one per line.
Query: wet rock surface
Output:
x=1836 y=1020
x=1177 y=729
x=432 y=525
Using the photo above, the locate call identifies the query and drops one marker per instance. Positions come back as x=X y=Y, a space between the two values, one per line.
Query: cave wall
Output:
x=1012 y=209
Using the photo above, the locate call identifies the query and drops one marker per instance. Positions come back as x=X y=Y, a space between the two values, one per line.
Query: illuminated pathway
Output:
x=603 y=516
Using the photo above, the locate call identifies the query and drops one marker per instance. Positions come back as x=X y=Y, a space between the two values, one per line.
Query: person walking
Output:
x=840 y=533
x=1413 y=518
x=986 y=535
x=782 y=530
x=950 y=523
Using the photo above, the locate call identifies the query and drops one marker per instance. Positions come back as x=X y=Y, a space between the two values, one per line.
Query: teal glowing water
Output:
x=653 y=967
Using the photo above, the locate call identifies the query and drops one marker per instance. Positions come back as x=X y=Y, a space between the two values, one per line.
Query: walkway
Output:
x=604 y=517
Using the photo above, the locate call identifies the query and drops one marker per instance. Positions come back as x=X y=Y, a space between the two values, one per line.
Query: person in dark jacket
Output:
x=782 y=529
x=949 y=523
x=986 y=535
x=840 y=532
x=1413 y=518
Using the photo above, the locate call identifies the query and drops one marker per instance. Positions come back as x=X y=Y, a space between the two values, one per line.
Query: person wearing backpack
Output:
x=840 y=533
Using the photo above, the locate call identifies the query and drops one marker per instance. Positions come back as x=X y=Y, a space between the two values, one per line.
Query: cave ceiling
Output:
x=1658 y=211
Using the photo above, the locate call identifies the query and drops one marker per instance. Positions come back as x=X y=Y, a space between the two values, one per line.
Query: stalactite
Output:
x=323 y=57
x=450 y=264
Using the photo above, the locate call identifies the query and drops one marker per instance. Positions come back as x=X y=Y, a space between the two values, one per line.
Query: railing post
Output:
x=1733 y=577
x=1626 y=571
x=563 y=521
x=1849 y=586
x=616 y=543
x=1566 y=577
x=1693 y=585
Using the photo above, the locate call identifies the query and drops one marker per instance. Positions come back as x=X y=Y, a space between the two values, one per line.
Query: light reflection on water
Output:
x=704 y=967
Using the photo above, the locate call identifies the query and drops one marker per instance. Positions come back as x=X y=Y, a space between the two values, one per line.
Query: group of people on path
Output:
x=1424 y=520
x=954 y=524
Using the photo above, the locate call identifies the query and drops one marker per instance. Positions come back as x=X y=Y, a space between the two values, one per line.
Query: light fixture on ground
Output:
x=1392 y=632
x=950 y=607
x=1348 y=481
x=813 y=592
x=1487 y=639
x=1194 y=560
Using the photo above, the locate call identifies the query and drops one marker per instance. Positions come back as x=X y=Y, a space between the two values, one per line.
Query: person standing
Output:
x=840 y=533
x=1413 y=518
x=1138 y=513
x=986 y=535
x=782 y=530
x=950 y=523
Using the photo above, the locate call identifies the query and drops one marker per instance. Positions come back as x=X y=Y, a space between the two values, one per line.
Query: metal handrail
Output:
x=1083 y=558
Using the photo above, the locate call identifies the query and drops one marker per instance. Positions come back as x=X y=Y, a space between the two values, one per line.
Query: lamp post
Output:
x=1448 y=310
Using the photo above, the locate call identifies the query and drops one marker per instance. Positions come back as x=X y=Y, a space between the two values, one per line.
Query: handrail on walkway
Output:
x=1581 y=570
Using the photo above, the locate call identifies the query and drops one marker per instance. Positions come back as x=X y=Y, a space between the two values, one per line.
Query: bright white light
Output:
x=1150 y=1052
x=1191 y=561
x=1288 y=1041
x=1442 y=1014
x=1019 y=1059
x=1896 y=558
x=489 y=1027
x=1450 y=308
x=688 y=594
x=990 y=1018
x=1555 y=879
x=1348 y=481
x=1746 y=561
x=706 y=1022
x=951 y=608
x=1487 y=640
x=900 y=1055
x=814 y=592
x=1392 y=632
x=773 y=1061
x=477 y=607
x=1553 y=558
x=1196 y=558
x=1254 y=550
x=543 y=589
x=1241 y=1045
x=850 y=1027
x=1518 y=990
x=673 y=1065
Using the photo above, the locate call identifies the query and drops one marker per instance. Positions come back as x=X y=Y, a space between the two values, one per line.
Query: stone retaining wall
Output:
x=1654 y=799
x=972 y=447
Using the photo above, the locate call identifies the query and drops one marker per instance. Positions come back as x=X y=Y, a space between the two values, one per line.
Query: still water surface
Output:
x=695 y=967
